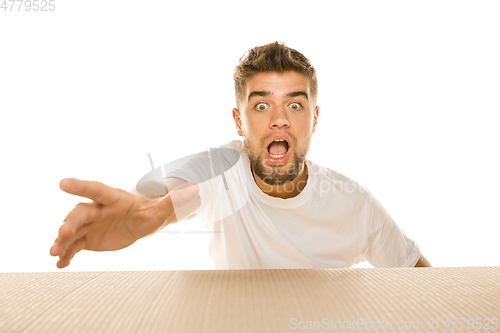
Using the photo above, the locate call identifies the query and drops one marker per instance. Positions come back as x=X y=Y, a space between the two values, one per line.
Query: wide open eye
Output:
x=295 y=106
x=261 y=106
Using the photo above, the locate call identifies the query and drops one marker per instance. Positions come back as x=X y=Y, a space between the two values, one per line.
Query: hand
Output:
x=114 y=219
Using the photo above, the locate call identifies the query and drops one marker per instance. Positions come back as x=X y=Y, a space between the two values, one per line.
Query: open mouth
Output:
x=278 y=148
x=277 y=152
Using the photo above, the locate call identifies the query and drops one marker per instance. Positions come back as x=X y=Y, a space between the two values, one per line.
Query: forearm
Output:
x=151 y=197
x=183 y=202
x=150 y=190
x=155 y=189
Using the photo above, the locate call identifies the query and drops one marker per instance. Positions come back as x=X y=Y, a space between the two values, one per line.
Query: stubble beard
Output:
x=276 y=174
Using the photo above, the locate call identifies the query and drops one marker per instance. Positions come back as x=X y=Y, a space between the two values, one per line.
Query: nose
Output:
x=279 y=118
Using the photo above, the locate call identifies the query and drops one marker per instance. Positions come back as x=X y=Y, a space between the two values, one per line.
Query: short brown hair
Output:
x=272 y=57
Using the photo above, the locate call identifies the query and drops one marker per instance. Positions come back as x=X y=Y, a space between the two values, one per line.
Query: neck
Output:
x=288 y=190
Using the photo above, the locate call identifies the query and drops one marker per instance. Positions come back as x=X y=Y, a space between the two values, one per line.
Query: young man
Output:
x=267 y=208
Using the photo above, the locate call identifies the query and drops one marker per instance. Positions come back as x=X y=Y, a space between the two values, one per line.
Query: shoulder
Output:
x=339 y=183
x=205 y=165
x=235 y=145
x=227 y=155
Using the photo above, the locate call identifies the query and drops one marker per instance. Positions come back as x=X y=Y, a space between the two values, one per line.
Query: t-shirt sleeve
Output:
x=215 y=172
x=388 y=245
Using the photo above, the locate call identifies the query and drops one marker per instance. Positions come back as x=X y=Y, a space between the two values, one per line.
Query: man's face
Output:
x=277 y=117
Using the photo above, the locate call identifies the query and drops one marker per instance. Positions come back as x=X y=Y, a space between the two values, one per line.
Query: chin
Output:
x=276 y=175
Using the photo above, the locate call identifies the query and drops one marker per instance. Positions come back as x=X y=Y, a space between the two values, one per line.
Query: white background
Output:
x=408 y=97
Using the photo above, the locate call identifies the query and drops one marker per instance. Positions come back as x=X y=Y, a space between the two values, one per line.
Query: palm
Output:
x=122 y=223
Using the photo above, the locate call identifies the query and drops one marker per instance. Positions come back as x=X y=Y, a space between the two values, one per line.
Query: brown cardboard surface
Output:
x=252 y=300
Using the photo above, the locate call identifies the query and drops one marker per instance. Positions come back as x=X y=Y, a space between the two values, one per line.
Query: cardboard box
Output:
x=266 y=300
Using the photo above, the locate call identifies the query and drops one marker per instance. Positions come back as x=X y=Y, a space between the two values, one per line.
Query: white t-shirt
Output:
x=332 y=223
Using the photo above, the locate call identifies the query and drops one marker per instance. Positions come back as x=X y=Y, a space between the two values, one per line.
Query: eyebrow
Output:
x=267 y=93
x=297 y=93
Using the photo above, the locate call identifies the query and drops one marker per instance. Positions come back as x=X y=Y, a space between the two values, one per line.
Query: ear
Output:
x=316 y=114
x=237 y=121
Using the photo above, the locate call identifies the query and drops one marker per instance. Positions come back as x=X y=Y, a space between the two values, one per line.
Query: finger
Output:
x=62 y=263
x=96 y=191
x=82 y=215
x=61 y=245
x=75 y=248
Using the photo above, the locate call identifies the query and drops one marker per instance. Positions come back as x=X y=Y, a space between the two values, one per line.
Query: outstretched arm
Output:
x=115 y=218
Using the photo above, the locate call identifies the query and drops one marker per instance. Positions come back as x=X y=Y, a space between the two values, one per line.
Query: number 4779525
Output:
x=28 y=5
